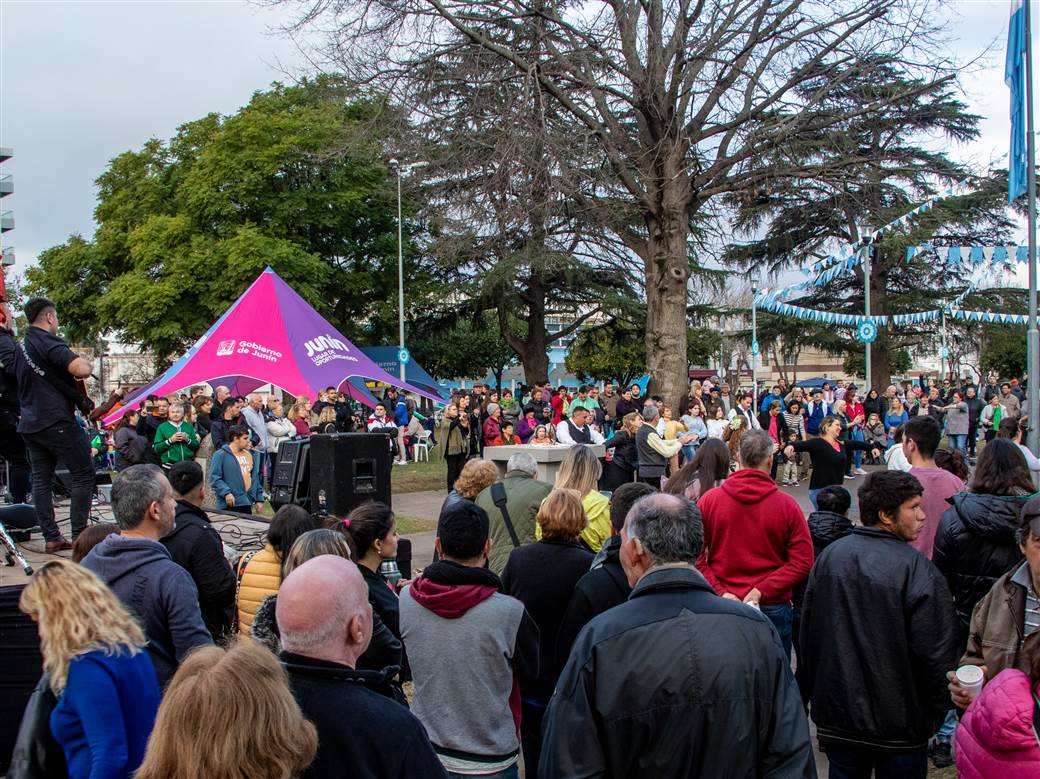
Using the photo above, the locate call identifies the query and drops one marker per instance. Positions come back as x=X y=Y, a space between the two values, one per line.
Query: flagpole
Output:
x=1032 y=336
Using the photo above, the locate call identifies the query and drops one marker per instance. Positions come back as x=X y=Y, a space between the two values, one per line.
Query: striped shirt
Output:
x=1032 y=615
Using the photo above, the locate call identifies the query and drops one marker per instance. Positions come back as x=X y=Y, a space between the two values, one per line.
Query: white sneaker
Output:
x=400 y=462
x=860 y=472
x=847 y=476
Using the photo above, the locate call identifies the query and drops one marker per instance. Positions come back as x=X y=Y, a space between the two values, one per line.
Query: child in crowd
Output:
x=874 y=433
x=790 y=466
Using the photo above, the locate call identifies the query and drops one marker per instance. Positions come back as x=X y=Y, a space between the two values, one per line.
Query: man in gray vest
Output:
x=577 y=430
x=521 y=494
x=653 y=450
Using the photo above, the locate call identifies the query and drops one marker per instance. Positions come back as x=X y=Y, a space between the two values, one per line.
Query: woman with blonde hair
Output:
x=561 y=519
x=326 y=421
x=105 y=682
x=477 y=475
x=580 y=470
x=298 y=415
x=229 y=714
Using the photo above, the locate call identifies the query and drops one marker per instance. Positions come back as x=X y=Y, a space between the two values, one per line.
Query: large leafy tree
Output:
x=678 y=100
x=496 y=188
x=295 y=180
x=890 y=166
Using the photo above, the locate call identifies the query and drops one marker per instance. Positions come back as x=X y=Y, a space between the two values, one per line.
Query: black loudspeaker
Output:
x=348 y=469
x=22 y=663
x=290 y=480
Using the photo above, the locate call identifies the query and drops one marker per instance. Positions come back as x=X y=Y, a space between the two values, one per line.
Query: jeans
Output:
x=949 y=727
x=688 y=450
x=67 y=442
x=958 y=442
x=513 y=772
x=782 y=617
x=857 y=456
x=531 y=714
x=853 y=763
x=812 y=498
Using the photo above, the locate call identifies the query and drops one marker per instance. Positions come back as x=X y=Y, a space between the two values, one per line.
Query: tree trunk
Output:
x=667 y=274
x=533 y=350
x=880 y=366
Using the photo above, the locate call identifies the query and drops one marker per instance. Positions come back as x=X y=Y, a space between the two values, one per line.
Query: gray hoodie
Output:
x=158 y=592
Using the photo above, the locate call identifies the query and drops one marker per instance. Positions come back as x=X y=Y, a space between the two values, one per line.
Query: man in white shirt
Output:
x=576 y=429
x=254 y=416
x=381 y=421
x=743 y=408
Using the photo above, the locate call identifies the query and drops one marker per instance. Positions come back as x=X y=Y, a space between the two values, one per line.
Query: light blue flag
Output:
x=1015 y=78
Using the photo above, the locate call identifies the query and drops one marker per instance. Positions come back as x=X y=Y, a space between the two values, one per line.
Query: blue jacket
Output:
x=225 y=476
x=768 y=398
x=104 y=717
x=158 y=592
x=401 y=413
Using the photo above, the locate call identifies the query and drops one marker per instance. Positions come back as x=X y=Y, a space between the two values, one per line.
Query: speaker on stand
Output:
x=290 y=480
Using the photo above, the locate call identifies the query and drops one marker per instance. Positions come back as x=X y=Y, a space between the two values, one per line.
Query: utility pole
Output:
x=754 y=342
x=866 y=311
x=401 y=170
x=1032 y=336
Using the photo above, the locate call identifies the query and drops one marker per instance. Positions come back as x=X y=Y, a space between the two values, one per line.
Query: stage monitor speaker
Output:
x=290 y=480
x=348 y=469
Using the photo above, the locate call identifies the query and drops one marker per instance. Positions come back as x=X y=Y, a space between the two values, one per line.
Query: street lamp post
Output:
x=754 y=342
x=401 y=169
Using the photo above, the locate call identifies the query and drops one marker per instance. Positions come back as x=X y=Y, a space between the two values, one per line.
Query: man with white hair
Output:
x=518 y=495
x=253 y=414
x=325 y=622
x=220 y=394
x=675 y=681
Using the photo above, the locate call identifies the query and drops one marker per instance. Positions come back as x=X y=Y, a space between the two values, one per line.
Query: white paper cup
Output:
x=970 y=678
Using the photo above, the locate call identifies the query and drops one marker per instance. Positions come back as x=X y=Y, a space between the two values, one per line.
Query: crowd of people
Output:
x=637 y=617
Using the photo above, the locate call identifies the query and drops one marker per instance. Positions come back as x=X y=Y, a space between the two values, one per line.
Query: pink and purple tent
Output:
x=270 y=335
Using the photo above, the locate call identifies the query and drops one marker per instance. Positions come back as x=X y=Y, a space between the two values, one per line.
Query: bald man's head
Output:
x=323 y=610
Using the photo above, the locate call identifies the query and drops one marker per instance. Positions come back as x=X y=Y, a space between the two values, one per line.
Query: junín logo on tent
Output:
x=226 y=347
x=326 y=348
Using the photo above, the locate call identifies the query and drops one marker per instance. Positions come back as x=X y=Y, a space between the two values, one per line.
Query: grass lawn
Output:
x=406 y=526
x=418 y=477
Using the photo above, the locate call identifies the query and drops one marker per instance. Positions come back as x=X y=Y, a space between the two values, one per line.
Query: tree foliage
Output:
x=1003 y=350
x=890 y=166
x=678 y=101
x=466 y=350
x=294 y=180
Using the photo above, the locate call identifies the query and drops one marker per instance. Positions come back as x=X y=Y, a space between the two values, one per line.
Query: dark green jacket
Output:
x=524 y=495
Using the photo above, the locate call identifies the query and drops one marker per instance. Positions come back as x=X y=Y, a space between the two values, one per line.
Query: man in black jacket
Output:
x=196 y=547
x=325 y=622
x=605 y=585
x=878 y=636
x=12 y=447
x=676 y=682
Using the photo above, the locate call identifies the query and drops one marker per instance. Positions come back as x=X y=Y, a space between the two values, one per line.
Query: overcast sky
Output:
x=82 y=81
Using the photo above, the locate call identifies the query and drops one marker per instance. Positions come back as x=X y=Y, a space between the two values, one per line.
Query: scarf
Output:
x=450 y=590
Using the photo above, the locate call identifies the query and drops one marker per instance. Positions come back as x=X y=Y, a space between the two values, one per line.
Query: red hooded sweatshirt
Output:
x=754 y=536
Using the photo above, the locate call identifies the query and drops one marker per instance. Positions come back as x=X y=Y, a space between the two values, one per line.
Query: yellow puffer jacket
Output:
x=262 y=577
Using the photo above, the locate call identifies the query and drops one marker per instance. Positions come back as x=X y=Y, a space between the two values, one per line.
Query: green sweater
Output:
x=175 y=452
